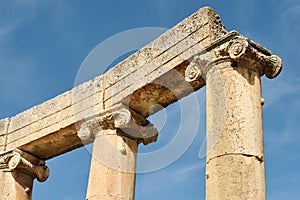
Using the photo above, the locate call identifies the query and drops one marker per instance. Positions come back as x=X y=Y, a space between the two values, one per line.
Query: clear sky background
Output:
x=42 y=46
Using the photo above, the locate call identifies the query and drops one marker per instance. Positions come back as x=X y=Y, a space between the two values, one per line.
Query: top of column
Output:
x=241 y=51
x=132 y=124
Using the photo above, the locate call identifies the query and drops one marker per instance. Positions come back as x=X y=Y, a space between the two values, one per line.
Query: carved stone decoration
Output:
x=193 y=72
x=238 y=49
x=85 y=134
x=275 y=69
x=18 y=160
x=121 y=117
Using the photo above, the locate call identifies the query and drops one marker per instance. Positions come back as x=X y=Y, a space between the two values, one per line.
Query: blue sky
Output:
x=42 y=46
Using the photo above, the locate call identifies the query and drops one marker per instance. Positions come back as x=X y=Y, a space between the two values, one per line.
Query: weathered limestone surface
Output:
x=55 y=119
x=4 y=123
x=17 y=172
x=116 y=133
x=132 y=124
x=232 y=67
x=235 y=177
x=15 y=186
x=235 y=159
x=112 y=172
x=234 y=115
x=50 y=129
x=111 y=110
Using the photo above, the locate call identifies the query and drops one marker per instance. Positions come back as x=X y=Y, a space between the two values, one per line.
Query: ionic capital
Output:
x=132 y=125
x=241 y=51
x=18 y=160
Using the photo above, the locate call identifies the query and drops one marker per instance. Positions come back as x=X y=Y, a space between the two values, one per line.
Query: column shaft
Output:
x=113 y=165
x=235 y=155
x=15 y=186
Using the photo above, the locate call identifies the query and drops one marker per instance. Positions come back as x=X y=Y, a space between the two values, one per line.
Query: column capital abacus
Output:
x=131 y=124
x=240 y=51
x=21 y=161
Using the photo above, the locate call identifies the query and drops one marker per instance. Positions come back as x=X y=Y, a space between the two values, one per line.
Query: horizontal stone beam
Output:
x=153 y=75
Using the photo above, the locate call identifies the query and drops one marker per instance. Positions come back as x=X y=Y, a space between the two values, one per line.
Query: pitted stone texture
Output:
x=234 y=112
x=241 y=51
x=132 y=124
x=142 y=80
x=17 y=172
x=4 y=123
x=15 y=186
x=55 y=121
x=156 y=75
x=115 y=157
x=203 y=24
x=235 y=177
x=167 y=53
x=235 y=154
x=20 y=161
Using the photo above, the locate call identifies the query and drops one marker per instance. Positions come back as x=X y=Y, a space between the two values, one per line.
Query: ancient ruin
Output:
x=113 y=108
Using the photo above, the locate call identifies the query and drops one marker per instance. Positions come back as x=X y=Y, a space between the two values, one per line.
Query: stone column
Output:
x=117 y=132
x=235 y=153
x=112 y=172
x=232 y=67
x=17 y=172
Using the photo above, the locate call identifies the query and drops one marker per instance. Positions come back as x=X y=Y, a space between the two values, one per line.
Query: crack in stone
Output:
x=6 y=134
x=260 y=159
